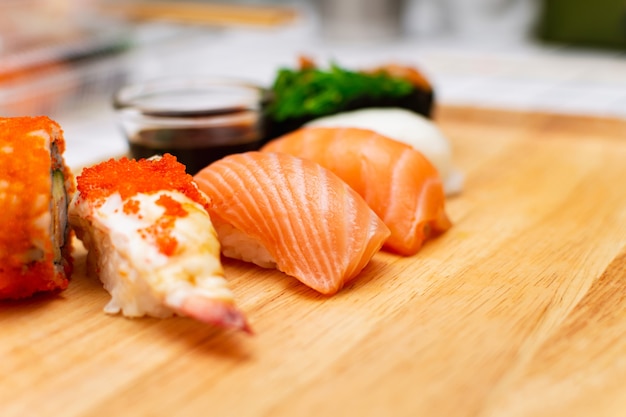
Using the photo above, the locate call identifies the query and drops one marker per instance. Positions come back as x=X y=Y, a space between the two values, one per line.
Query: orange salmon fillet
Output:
x=313 y=226
x=397 y=181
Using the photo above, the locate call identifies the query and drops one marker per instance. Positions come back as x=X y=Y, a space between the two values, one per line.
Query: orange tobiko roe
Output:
x=159 y=232
x=131 y=206
x=172 y=207
x=166 y=243
x=130 y=177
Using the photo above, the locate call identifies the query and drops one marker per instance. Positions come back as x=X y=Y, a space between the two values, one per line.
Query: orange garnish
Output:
x=129 y=177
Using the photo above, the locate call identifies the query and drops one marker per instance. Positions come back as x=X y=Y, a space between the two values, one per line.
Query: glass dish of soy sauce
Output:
x=198 y=120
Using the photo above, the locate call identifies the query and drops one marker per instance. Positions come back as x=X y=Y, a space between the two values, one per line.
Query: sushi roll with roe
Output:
x=35 y=187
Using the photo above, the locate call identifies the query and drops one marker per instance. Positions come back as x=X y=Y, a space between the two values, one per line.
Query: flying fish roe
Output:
x=129 y=177
x=131 y=206
x=161 y=233
x=172 y=207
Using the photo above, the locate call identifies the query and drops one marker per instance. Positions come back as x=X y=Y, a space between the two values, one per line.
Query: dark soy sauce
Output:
x=197 y=147
x=193 y=158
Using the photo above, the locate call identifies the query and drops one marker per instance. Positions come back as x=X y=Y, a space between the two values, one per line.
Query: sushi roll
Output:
x=35 y=187
x=401 y=186
x=151 y=241
x=407 y=127
x=283 y=212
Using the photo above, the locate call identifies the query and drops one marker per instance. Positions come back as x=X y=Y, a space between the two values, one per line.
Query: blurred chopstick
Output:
x=202 y=13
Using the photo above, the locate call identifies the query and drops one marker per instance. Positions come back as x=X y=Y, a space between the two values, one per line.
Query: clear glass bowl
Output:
x=198 y=120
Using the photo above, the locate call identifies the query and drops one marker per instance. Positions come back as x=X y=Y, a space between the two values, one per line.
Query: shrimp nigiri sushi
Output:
x=35 y=187
x=151 y=241
x=398 y=182
x=283 y=212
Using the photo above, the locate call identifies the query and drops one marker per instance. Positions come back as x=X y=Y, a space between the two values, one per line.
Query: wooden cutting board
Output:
x=519 y=310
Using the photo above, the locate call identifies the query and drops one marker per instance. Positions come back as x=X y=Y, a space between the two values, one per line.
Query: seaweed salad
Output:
x=299 y=95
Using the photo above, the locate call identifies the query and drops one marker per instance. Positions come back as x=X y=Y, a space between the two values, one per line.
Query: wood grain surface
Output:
x=519 y=310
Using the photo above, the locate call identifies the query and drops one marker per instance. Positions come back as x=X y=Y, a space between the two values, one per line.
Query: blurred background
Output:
x=65 y=58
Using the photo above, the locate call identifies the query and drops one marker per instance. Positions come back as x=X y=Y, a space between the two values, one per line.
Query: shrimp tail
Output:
x=217 y=312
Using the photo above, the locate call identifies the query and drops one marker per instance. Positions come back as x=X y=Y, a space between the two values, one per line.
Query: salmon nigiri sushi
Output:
x=417 y=131
x=397 y=181
x=280 y=211
x=151 y=242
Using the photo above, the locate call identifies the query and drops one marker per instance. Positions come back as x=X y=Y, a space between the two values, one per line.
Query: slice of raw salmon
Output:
x=281 y=211
x=397 y=181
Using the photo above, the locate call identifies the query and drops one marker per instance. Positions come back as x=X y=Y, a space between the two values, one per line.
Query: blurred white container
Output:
x=501 y=21
x=361 y=20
